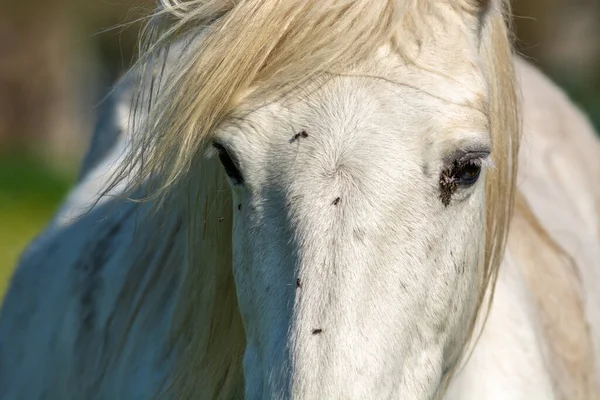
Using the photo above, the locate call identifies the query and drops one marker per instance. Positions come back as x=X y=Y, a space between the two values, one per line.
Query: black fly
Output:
x=299 y=135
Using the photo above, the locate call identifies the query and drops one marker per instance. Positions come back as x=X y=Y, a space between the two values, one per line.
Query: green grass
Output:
x=30 y=192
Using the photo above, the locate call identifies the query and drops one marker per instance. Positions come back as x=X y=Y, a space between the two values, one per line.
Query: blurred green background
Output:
x=59 y=57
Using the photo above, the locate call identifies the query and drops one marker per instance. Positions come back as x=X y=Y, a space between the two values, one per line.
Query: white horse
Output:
x=370 y=149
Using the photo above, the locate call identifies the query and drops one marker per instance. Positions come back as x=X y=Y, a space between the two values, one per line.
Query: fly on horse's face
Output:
x=359 y=226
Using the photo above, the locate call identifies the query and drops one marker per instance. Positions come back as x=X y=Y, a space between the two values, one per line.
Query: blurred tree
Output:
x=55 y=65
x=563 y=38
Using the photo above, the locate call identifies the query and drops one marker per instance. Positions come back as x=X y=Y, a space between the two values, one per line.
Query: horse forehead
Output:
x=380 y=116
x=350 y=132
x=389 y=84
x=410 y=101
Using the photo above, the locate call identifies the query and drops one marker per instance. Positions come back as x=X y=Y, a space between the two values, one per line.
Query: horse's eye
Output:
x=467 y=173
x=229 y=164
x=462 y=173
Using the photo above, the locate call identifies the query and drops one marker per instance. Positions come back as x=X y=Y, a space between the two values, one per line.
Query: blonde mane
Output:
x=567 y=346
x=253 y=51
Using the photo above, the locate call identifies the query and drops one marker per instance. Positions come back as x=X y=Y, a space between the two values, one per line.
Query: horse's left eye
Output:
x=462 y=173
x=467 y=173
x=231 y=169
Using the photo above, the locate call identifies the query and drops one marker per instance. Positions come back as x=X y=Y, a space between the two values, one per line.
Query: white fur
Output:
x=379 y=271
x=507 y=362
x=369 y=264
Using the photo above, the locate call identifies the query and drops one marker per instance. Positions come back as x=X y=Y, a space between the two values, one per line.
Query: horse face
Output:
x=359 y=229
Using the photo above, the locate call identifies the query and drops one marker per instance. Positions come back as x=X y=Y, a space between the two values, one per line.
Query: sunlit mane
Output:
x=252 y=51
